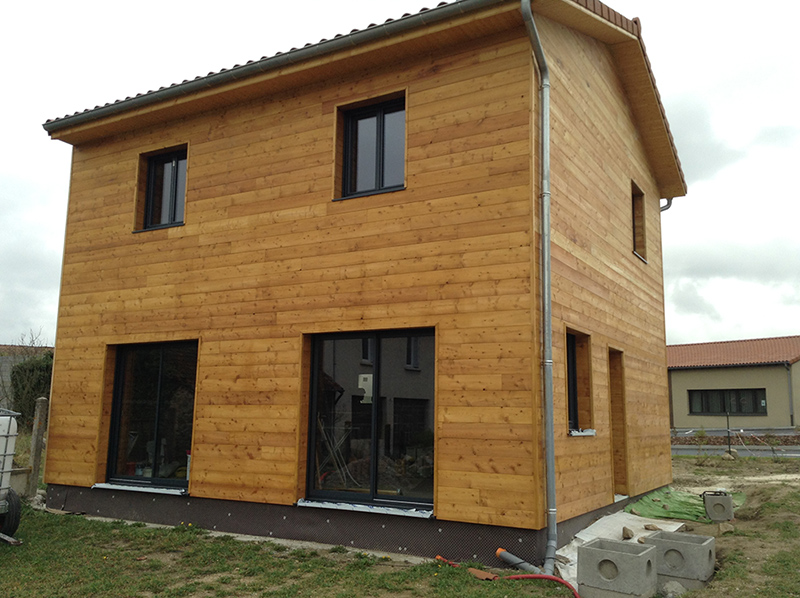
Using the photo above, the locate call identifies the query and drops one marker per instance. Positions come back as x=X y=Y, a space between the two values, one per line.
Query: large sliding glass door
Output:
x=372 y=417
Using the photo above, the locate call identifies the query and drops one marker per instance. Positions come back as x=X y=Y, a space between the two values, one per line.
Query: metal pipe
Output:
x=791 y=393
x=547 y=304
x=667 y=205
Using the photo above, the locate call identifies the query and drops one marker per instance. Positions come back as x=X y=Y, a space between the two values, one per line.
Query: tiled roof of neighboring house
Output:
x=759 y=351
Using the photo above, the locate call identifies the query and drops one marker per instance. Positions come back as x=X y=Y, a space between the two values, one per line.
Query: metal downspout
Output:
x=791 y=393
x=667 y=205
x=547 y=308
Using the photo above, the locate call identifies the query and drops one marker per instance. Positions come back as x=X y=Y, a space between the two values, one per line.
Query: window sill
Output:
x=149 y=489
x=588 y=432
x=159 y=227
x=344 y=506
x=370 y=193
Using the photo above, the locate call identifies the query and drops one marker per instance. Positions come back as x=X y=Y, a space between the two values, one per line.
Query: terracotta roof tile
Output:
x=760 y=351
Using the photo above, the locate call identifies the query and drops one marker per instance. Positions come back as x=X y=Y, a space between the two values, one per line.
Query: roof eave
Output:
x=391 y=28
x=588 y=16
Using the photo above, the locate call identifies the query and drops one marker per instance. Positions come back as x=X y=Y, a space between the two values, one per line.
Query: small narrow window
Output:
x=638 y=219
x=165 y=191
x=367 y=350
x=374 y=149
x=579 y=386
x=412 y=353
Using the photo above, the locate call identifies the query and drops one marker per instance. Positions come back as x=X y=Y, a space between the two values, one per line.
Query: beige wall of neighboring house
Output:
x=773 y=379
x=706 y=379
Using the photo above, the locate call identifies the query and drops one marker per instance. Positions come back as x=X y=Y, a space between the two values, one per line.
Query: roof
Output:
x=591 y=17
x=760 y=351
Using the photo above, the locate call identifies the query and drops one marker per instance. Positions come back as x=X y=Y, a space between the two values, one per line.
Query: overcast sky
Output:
x=727 y=71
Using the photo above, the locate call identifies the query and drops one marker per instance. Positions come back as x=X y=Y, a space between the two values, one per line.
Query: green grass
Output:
x=68 y=555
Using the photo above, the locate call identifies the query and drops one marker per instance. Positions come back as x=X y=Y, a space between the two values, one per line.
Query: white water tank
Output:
x=8 y=442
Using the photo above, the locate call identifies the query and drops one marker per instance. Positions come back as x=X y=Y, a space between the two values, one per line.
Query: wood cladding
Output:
x=265 y=259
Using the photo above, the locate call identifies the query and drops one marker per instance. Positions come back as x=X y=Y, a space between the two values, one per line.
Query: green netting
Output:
x=679 y=505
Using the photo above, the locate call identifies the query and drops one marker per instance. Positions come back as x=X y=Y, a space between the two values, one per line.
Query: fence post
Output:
x=37 y=444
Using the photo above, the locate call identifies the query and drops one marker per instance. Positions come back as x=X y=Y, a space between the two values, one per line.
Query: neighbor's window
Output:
x=638 y=218
x=738 y=401
x=152 y=414
x=412 y=353
x=373 y=152
x=165 y=191
x=579 y=381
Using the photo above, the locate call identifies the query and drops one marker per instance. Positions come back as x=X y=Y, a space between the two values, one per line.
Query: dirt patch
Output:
x=766 y=524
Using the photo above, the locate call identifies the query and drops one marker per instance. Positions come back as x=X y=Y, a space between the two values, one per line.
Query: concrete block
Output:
x=719 y=506
x=613 y=569
x=686 y=558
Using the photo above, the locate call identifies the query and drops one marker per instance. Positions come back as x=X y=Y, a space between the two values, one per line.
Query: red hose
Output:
x=548 y=577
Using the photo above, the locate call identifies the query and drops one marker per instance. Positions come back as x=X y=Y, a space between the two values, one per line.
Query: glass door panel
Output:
x=343 y=426
x=372 y=410
x=405 y=468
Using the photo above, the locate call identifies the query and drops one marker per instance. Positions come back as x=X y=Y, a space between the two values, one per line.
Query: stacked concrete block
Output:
x=614 y=569
x=686 y=558
x=719 y=506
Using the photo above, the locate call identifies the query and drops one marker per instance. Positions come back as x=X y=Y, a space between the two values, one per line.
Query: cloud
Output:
x=782 y=137
x=30 y=262
x=773 y=262
x=686 y=300
x=703 y=154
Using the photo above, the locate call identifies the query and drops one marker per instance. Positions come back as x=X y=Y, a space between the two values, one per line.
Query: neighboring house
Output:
x=752 y=383
x=11 y=355
x=315 y=280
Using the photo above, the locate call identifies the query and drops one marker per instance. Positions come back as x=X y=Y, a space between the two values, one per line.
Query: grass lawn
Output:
x=70 y=556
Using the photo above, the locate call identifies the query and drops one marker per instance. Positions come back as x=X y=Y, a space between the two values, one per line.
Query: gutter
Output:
x=547 y=303
x=388 y=29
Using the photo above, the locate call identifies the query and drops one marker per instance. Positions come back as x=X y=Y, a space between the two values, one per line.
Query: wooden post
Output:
x=37 y=444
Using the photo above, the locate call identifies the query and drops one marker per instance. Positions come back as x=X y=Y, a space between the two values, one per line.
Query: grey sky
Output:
x=726 y=71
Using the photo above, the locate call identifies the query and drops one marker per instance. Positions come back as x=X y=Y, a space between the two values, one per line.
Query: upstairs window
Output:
x=638 y=219
x=373 y=149
x=165 y=191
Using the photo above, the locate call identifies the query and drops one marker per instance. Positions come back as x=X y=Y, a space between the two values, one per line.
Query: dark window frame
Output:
x=729 y=402
x=351 y=118
x=175 y=202
x=638 y=222
x=578 y=357
x=372 y=497
x=120 y=382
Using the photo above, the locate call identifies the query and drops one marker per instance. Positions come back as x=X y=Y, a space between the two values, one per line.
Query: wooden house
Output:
x=303 y=297
x=752 y=384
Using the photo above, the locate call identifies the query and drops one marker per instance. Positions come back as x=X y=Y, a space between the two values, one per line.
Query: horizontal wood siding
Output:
x=266 y=258
x=600 y=288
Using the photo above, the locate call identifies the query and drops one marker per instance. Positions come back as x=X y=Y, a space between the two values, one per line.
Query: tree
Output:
x=25 y=372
